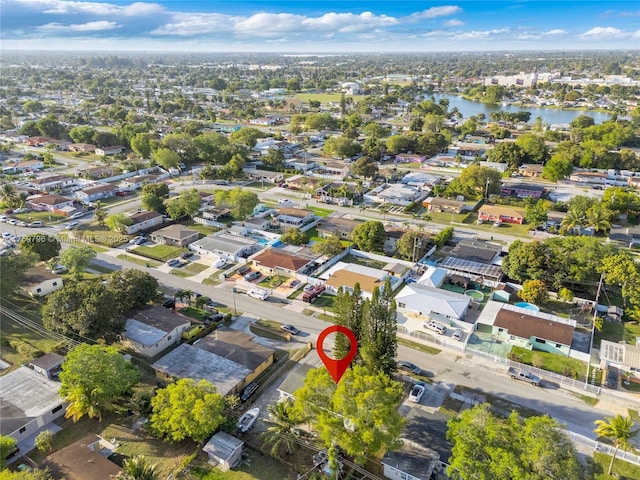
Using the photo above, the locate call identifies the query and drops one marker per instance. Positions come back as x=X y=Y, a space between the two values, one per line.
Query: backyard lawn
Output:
x=560 y=364
x=159 y=252
x=320 y=212
x=617 y=331
x=45 y=217
x=190 y=269
x=203 y=229
x=621 y=469
x=139 y=261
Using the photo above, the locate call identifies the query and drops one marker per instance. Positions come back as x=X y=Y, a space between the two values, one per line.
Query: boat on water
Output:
x=247 y=420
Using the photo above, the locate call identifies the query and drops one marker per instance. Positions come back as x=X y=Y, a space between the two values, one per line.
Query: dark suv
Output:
x=248 y=391
x=612 y=377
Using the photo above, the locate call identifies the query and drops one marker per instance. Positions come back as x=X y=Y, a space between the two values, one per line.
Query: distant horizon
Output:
x=313 y=27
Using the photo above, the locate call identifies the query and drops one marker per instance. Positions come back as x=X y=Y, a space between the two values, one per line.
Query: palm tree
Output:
x=280 y=432
x=182 y=295
x=138 y=468
x=598 y=217
x=201 y=301
x=618 y=429
x=100 y=213
x=21 y=200
x=8 y=193
x=573 y=220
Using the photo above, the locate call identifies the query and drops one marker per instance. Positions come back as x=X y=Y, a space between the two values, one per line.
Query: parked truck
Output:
x=311 y=295
x=518 y=374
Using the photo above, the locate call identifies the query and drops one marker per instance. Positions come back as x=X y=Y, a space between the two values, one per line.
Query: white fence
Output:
x=602 y=447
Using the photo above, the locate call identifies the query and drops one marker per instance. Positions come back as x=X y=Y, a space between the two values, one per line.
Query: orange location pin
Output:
x=335 y=367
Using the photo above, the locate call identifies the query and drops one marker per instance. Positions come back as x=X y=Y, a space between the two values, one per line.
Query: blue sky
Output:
x=319 y=27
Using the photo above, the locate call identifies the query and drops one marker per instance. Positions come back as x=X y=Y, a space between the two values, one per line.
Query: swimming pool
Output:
x=528 y=306
x=475 y=294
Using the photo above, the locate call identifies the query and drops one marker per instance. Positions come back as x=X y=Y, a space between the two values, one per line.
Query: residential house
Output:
x=597 y=178
x=52 y=182
x=439 y=204
x=82 y=147
x=294 y=217
x=25 y=166
x=177 y=235
x=411 y=461
x=38 y=282
x=37 y=141
x=143 y=221
x=421 y=179
x=207 y=198
x=409 y=158
x=95 y=173
x=114 y=150
x=500 y=213
x=419 y=300
x=346 y=275
x=97 y=192
x=522 y=190
x=137 y=182
x=624 y=356
x=624 y=236
x=28 y=404
x=293 y=380
x=433 y=277
x=527 y=328
x=476 y=251
x=152 y=330
x=395 y=194
x=258 y=223
x=531 y=170
x=224 y=450
x=301 y=182
x=49 y=365
x=339 y=226
x=263 y=121
x=83 y=460
x=333 y=170
x=271 y=260
x=52 y=203
x=216 y=213
x=263 y=175
x=227 y=246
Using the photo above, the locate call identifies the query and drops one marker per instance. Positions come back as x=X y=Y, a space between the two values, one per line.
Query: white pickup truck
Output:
x=518 y=374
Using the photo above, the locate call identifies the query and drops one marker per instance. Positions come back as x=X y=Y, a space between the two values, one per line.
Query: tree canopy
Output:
x=331 y=247
x=241 y=201
x=43 y=245
x=187 y=409
x=184 y=205
x=93 y=377
x=369 y=236
x=486 y=447
x=13 y=268
x=77 y=259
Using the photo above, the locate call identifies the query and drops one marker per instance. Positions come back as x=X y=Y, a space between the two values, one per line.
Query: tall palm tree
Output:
x=280 y=432
x=599 y=217
x=138 y=468
x=618 y=429
x=8 y=193
x=21 y=200
x=573 y=220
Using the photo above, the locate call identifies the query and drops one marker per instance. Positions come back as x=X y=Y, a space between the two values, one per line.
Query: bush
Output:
x=26 y=349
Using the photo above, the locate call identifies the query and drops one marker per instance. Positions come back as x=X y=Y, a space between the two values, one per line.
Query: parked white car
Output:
x=219 y=263
x=258 y=293
x=416 y=392
x=436 y=327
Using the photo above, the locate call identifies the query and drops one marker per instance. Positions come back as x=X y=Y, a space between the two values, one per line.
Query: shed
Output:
x=224 y=450
x=47 y=365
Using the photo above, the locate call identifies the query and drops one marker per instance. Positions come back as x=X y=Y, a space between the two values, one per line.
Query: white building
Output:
x=224 y=450
x=38 y=282
x=152 y=330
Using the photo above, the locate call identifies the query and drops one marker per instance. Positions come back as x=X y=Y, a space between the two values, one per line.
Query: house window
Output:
x=512 y=337
x=402 y=305
x=38 y=290
x=55 y=284
x=22 y=430
x=539 y=340
x=500 y=330
x=169 y=337
x=558 y=345
x=57 y=409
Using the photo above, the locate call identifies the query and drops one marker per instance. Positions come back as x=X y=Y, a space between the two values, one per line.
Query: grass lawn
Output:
x=623 y=470
x=259 y=467
x=325 y=301
x=161 y=252
x=95 y=234
x=190 y=269
x=269 y=325
x=273 y=282
x=554 y=362
x=203 y=229
x=418 y=346
x=139 y=261
x=212 y=280
x=325 y=97
x=295 y=294
x=45 y=217
x=100 y=268
x=444 y=217
x=367 y=262
x=195 y=313
x=320 y=212
x=260 y=185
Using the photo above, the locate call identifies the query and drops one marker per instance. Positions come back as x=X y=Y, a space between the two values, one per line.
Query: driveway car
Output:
x=193 y=332
x=612 y=378
x=252 y=276
x=36 y=224
x=294 y=283
x=409 y=367
x=289 y=328
x=174 y=262
x=416 y=392
x=186 y=255
x=169 y=303
x=436 y=327
x=78 y=215
x=244 y=270
x=248 y=391
x=458 y=335
x=219 y=263
x=72 y=225
x=59 y=269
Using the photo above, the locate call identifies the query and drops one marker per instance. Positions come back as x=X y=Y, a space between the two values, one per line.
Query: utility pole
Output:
x=486 y=189
x=593 y=327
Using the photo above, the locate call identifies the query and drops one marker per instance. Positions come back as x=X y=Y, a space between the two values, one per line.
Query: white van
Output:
x=36 y=224
x=258 y=293
x=436 y=327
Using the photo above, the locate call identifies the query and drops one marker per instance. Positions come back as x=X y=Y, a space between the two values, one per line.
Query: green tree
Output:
x=476 y=181
x=186 y=409
x=241 y=201
x=166 y=158
x=282 y=420
x=93 y=378
x=247 y=136
x=365 y=167
x=88 y=309
x=360 y=414
x=35 y=474
x=82 y=134
x=43 y=245
x=369 y=236
x=331 y=247
x=274 y=158
x=506 y=152
x=44 y=441
x=565 y=294
x=342 y=147
x=412 y=245
x=32 y=106
x=621 y=269
x=379 y=343
x=152 y=203
x=49 y=126
x=118 y=222
x=599 y=217
x=557 y=168
x=132 y=288
x=185 y=205
x=443 y=236
x=488 y=448
x=13 y=269
x=77 y=259
x=349 y=312
x=8 y=194
x=182 y=144
x=138 y=468
x=141 y=144
x=294 y=236
x=620 y=430
x=495 y=93
x=536 y=213
x=533 y=291
x=7 y=444
x=100 y=213
x=533 y=147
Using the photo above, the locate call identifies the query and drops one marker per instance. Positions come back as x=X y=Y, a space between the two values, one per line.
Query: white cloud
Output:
x=81 y=27
x=604 y=32
x=538 y=36
x=435 y=12
x=66 y=7
x=189 y=24
x=477 y=34
x=555 y=32
x=454 y=22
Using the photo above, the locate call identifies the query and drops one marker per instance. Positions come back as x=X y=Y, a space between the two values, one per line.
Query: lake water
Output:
x=549 y=115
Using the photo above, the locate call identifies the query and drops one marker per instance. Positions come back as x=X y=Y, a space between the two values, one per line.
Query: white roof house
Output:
x=433 y=277
x=424 y=301
x=225 y=450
